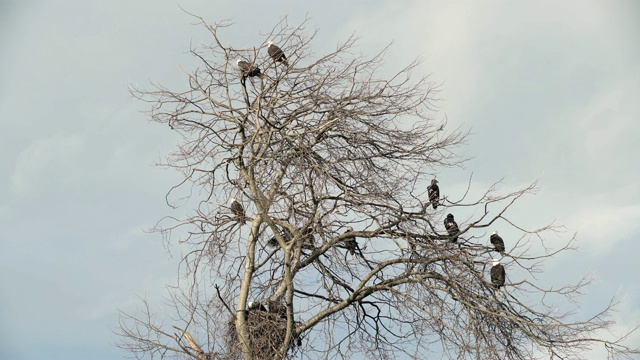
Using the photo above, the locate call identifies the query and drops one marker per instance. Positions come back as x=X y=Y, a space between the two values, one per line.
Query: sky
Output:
x=549 y=92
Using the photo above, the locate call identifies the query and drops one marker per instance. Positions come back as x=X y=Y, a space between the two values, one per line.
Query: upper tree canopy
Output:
x=337 y=243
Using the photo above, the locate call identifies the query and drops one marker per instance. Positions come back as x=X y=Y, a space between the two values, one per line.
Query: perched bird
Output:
x=497 y=242
x=306 y=238
x=497 y=274
x=452 y=228
x=256 y=305
x=350 y=242
x=434 y=193
x=277 y=54
x=247 y=69
x=286 y=235
x=273 y=242
x=238 y=210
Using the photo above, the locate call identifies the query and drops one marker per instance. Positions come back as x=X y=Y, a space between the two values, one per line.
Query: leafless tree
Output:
x=338 y=245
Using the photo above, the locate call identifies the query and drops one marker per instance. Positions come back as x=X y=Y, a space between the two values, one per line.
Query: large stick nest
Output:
x=267 y=332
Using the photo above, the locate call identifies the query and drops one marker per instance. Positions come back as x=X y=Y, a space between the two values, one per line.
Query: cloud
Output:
x=543 y=87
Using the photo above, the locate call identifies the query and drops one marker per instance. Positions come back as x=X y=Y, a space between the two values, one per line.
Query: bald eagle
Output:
x=237 y=210
x=497 y=242
x=277 y=54
x=497 y=274
x=247 y=69
x=452 y=228
x=434 y=193
x=350 y=242
x=256 y=306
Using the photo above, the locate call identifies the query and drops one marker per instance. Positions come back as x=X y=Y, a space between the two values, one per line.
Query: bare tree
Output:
x=336 y=243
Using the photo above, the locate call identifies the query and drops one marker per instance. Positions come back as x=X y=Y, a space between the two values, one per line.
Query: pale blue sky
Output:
x=549 y=91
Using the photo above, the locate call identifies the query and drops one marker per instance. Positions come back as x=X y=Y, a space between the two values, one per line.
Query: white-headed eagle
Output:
x=497 y=274
x=238 y=210
x=277 y=54
x=256 y=306
x=497 y=242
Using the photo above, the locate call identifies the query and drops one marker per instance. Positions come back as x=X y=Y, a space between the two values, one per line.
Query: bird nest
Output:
x=267 y=332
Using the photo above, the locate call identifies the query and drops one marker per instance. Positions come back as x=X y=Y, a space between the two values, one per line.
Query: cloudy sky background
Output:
x=550 y=93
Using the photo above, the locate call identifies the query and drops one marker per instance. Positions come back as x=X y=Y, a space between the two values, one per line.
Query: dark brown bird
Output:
x=497 y=274
x=434 y=193
x=238 y=210
x=277 y=54
x=350 y=242
x=452 y=228
x=497 y=242
x=307 y=238
x=247 y=69
x=286 y=235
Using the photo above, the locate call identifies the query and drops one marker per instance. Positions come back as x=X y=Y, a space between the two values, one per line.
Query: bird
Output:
x=277 y=54
x=497 y=242
x=434 y=193
x=452 y=228
x=247 y=69
x=350 y=242
x=256 y=305
x=497 y=274
x=273 y=242
x=286 y=235
x=306 y=238
x=237 y=210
